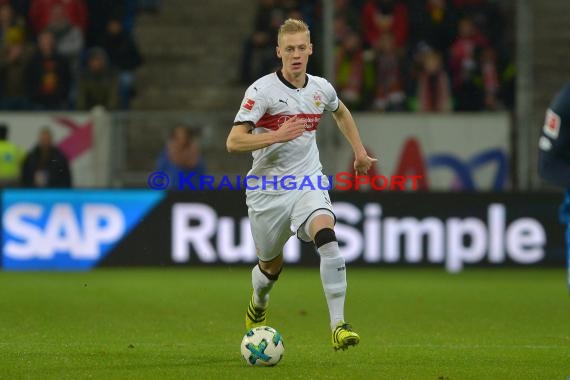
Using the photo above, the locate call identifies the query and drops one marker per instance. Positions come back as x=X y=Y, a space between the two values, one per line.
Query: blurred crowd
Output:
x=68 y=54
x=401 y=55
x=46 y=165
x=43 y=166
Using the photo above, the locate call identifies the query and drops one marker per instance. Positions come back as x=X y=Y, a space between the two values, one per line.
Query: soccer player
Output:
x=554 y=154
x=278 y=121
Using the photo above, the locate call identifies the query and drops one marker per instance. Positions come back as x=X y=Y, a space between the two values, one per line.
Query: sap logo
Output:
x=33 y=231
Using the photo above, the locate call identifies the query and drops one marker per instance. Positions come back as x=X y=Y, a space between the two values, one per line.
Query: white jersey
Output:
x=267 y=104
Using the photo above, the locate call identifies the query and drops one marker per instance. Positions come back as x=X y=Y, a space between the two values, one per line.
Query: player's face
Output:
x=294 y=50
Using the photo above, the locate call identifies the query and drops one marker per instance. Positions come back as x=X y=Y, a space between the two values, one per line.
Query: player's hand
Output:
x=362 y=164
x=291 y=129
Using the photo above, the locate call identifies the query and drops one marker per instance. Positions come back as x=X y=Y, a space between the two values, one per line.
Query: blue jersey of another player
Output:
x=554 y=144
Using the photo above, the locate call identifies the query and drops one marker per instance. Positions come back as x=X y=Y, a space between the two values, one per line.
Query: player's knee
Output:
x=336 y=289
x=272 y=272
x=324 y=236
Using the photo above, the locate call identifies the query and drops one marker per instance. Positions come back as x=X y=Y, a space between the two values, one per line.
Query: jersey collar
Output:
x=287 y=83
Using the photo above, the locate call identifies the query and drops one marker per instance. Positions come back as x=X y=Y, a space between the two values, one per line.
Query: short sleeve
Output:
x=551 y=127
x=554 y=142
x=253 y=106
x=332 y=102
x=556 y=126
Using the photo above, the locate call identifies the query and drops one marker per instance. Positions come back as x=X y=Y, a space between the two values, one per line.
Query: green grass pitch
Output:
x=188 y=323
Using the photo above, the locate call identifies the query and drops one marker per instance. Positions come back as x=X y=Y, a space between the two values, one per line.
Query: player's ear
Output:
x=310 y=49
x=278 y=51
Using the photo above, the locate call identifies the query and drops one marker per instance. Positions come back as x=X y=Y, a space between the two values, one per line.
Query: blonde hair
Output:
x=291 y=26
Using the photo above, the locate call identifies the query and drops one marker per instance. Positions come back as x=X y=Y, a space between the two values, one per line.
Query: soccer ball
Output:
x=262 y=346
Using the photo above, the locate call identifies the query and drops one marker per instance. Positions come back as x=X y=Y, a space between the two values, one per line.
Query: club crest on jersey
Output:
x=248 y=104
x=317 y=99
x=551 y=124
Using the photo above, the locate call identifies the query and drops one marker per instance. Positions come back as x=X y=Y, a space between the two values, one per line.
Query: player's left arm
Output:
x=346 y=124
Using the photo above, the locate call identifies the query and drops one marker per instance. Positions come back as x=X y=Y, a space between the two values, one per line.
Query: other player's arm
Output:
x=553 y=165
x=554 y=169
x=347 y=126
x=554 y=143
x=241 y=139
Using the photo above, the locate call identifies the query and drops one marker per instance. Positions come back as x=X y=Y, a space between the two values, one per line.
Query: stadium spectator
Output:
x=433 y=23
x=100 y=12
x=389 y=92
x=124 y=57
x=383 y=16
x=21 y=7
x=464 y=66
x=349 y=13
x=45 y=166
x=182 y=156
x=127 y=11
x=292 y=10
x=340 y=29
x=69 y=43
x=14 y=63
x=49 y=79
x=554 y=154
x=259 y=51
x=354 y=72
x=40 y=13
x=508 y=82
x=98 y=83
x=9 y=23
x=489 y=78
x=69 y=39
x=433 y=88
x=485 y=14
x=11 y=157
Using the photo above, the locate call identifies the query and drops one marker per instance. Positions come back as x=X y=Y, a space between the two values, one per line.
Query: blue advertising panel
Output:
x=68 y=229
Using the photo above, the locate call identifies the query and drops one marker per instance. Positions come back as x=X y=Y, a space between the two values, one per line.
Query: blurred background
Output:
x=95 y=95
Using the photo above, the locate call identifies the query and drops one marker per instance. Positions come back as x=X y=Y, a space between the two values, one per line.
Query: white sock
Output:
x=261 y=287
x=333 y=276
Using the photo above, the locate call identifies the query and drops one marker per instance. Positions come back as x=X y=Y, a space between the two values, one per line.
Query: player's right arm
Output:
x=254 y=106
x=241 y=139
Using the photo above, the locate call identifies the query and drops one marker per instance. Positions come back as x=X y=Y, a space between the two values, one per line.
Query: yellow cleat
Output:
x=255 y=316
x=343 y=336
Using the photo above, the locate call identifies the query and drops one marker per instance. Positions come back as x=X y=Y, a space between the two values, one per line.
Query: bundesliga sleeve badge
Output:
x=551 y=124
x=248 y=104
